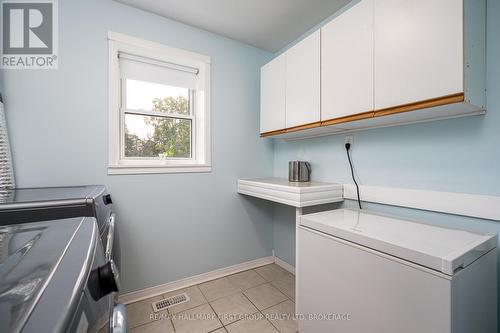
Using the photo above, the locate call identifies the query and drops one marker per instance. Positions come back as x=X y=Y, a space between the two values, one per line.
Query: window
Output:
x=159 y=108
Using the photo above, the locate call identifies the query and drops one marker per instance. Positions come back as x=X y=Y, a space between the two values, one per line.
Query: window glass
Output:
x=157 y=137
x=150 y=96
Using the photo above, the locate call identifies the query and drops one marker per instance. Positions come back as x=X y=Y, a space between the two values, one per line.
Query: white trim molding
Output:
x=283 y=264
x=142 y=294
x=137 y=170
x=472 y=205
x=201 y=160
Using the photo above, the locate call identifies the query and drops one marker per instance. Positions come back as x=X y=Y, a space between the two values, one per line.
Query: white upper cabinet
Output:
x=272 y=95
x=347 y=63
x=303 y=82
x=380 y=63
x=418 y=50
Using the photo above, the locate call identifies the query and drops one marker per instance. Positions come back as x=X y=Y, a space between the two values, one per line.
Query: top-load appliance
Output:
x=27 y=205
x=54 y=278
x=24 y=205
x=360 y=271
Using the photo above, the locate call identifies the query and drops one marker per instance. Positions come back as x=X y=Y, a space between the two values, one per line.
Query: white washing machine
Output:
x=365 y=272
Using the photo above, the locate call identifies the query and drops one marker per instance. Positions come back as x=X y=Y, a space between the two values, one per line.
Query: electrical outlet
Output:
x=348 y=139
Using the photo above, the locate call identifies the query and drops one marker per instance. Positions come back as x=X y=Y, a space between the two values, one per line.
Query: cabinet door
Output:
x=418 y=50
x=303 y=82
x=272 y=95
x=347 y=63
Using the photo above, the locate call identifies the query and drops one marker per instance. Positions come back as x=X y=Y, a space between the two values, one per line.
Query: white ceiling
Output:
x=266 y=24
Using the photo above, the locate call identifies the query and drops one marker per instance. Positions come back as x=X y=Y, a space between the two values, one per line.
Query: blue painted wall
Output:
x=172 y=225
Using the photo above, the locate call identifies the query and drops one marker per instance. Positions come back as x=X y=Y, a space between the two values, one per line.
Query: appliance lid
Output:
x=438 y=248
x=48 y=195
x=29 y=256
x=68 y=291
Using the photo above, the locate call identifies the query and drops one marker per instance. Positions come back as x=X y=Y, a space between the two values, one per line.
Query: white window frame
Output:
x=200 y=130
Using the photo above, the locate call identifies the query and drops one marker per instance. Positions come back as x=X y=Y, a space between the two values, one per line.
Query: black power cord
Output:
x=347 y=148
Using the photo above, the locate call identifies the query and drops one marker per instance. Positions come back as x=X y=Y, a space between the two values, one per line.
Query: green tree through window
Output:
x=171 y=137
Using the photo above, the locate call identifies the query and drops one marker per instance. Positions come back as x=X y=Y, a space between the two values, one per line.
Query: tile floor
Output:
x=259 y=300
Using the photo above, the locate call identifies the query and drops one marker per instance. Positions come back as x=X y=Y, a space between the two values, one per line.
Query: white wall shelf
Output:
x=296 y=194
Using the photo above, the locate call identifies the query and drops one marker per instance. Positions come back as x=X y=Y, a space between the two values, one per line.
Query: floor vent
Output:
x=169 y=302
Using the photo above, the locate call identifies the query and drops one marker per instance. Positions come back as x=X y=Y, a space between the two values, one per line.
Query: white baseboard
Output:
x=142 y=294
x=283 y=264
x=473 y=205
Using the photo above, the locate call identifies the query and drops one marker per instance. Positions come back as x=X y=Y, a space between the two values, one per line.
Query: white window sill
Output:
x=145 y=169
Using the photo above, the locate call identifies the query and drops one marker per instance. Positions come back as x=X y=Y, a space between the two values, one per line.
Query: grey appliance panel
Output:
x=24 y=205
x=48 y=194
x=63 y=210
x=29 y=256
x=67 y=302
